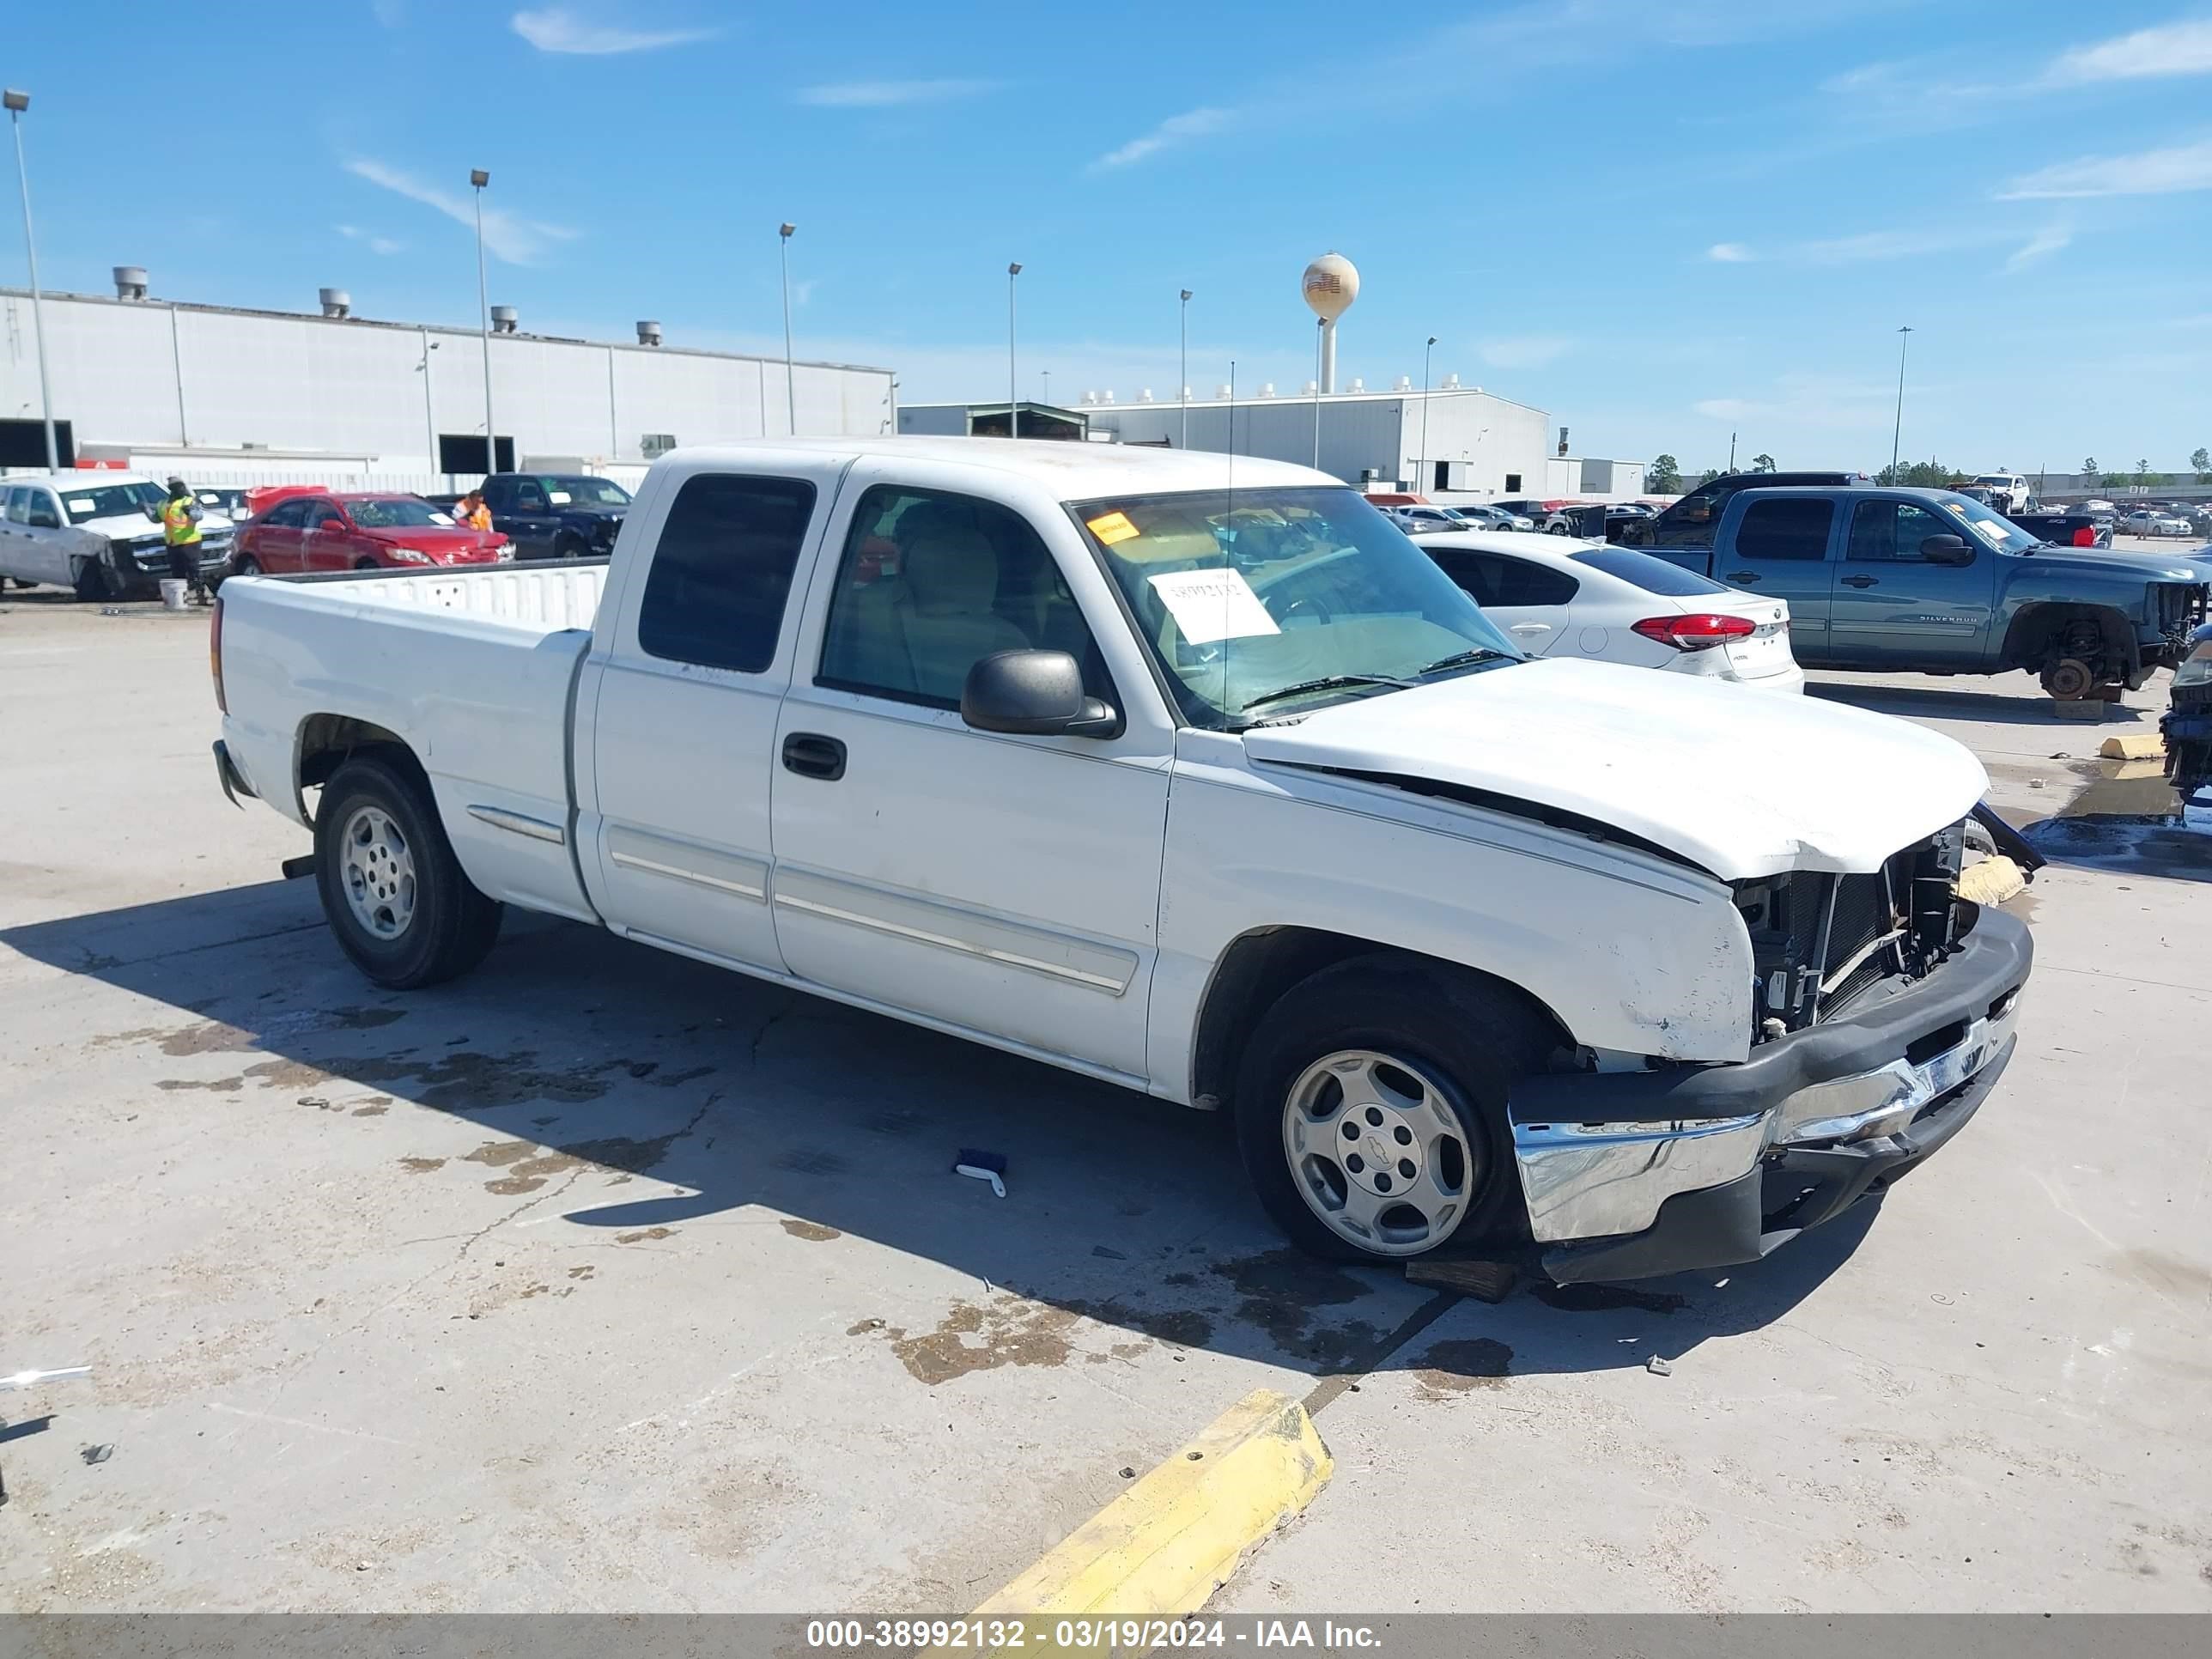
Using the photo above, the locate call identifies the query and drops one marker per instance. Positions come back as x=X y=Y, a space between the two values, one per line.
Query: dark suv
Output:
x=1689 y=522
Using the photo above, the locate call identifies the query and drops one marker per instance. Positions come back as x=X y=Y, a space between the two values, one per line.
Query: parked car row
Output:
x=99 y=532
x=1482 y=946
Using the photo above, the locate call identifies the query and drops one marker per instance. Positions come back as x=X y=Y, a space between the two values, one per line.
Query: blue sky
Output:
x=1661 y=220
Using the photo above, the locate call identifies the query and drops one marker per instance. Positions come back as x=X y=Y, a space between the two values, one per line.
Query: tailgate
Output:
x=1767 y=650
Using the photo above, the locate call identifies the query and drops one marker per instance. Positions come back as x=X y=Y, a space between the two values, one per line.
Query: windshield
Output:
x=1995 y=480
x=1276 y=601
x=398 y=513
x=1652 y=575
x=1992 y=528
x=112 y=500
x=587 y=492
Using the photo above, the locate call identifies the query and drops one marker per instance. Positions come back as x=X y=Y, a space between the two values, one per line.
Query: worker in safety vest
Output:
x=180 y=530
x=471 y=513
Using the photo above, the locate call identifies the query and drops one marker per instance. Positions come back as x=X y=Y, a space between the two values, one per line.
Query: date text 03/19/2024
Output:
x=1087 y=1635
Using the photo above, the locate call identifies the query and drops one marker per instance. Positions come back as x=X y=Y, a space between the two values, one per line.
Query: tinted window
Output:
x=19 y=505
x=312 y=514
x=1894 y=530
x=930 y=582
x=1494 y=578
x=715 y=591
x=285 y=515
x=1652 y=575
x=1785 y=530
x=529 y=498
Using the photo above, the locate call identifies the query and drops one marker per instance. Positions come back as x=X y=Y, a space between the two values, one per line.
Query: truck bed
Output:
x=471 y=669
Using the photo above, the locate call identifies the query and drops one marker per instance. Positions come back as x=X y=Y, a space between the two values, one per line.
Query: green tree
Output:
x=2144 y=477
x=1663 y=477
x=1704 y=477
x=1918 y=475
x=1762 y=463
x=2090 y=476
x=2201 y=461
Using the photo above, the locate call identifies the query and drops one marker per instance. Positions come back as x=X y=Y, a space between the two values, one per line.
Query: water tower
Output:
x=1331 y=284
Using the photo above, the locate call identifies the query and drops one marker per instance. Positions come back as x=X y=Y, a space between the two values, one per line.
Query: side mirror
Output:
x=1947 y=549
x=332 y=523
x=1034 y=694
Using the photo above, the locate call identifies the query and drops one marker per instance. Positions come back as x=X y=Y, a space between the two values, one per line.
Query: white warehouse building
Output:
x=235 y=397
x=1453 y=442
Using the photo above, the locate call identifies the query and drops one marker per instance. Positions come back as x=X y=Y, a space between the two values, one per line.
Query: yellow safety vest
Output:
x=178 y=529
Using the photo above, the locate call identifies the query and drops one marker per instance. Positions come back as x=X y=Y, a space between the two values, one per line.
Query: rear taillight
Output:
x=1697 y=633
x=215 y=654
x=2086 y=536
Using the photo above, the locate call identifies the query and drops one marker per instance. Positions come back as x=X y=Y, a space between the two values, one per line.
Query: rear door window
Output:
x=1786 y=529
x=715 y=592
x=19 y=506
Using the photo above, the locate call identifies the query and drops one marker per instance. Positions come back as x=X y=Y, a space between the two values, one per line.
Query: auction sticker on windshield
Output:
x=80 y=503
x=1113 y=527
x=1994 y=534
x=1213 y=604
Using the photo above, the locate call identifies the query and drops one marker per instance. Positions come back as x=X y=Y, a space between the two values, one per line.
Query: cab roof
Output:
x=1075 y=471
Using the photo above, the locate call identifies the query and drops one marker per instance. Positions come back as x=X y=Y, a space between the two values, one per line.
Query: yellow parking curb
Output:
x=1168 y=1542
x=2136 y=747
x=1992 y=881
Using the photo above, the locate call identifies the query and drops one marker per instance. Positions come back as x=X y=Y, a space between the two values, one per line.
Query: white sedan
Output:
x=2154 y=521
x=1559 y=598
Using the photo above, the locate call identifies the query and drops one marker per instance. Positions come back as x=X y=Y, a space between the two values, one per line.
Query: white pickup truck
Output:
x=1189 y=772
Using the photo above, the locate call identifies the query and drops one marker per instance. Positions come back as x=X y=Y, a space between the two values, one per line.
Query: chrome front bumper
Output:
x=1600 y=1155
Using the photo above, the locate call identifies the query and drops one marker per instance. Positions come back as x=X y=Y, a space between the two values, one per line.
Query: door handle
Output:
x=1530 y=629
x=1861 y=581
x=1743 y=575
x=813 y=756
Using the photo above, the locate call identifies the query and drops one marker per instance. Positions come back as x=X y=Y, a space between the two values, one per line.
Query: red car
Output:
x=326 y=530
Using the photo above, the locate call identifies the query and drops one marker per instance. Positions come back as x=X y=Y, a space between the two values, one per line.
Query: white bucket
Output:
x=173 y=592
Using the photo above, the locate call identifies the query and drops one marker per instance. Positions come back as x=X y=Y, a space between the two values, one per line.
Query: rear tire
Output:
x=1370 y=1109
x=399 y=900
x=570 y=547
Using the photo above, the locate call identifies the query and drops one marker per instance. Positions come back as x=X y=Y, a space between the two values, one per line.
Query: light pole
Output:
x=790 y=396
x=1897 y=433
x=429 y=415
x=1047 y=387
x=1183 y=371
x=17 y=102
x=1428 y=353
x=1320 y=323
x=477 y=179
x=1013 y=386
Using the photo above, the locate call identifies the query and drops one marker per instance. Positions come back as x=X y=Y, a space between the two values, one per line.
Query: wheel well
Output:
x=329 y=741
x=1260 y=966
x=2036 y=631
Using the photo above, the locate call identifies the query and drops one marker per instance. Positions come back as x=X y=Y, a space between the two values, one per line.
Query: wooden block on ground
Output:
x=1486 y=1281
x=2135 y=746
x=2084 y=708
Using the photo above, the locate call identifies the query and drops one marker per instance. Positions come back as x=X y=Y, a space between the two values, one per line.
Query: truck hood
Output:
x=129 y=526
x=2182 y=565
x=1737 y=781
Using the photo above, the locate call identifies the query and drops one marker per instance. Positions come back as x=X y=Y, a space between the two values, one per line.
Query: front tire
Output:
x=399 y=900
x=1370 y=1109
x=88 y=581
x=247 y=566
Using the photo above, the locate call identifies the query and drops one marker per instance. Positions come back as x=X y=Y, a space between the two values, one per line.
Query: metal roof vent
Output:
x=1107 y=395
x=337 y=302
x=1268 y=390
x=1405 y=383
x=1451 y=383
x=1223 y=390
x=503 y=320
x=1144 y=396
x=130 y=282
x=1358 y=385
x=648 y=333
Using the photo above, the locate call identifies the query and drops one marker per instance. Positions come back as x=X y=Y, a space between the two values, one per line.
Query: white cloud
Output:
x=2151 y=172
x=559 y=29
x=373 y=243
x=1525 y=351
x=1729 y=253
x=888 y=95
x=516 y=240
x=2170 y=49
x=1876 y=244
x=1176 y=130
x=2041 y=246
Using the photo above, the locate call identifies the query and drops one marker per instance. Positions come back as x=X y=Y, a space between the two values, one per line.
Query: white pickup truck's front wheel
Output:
x=399 y=900
x=1371 y=1109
